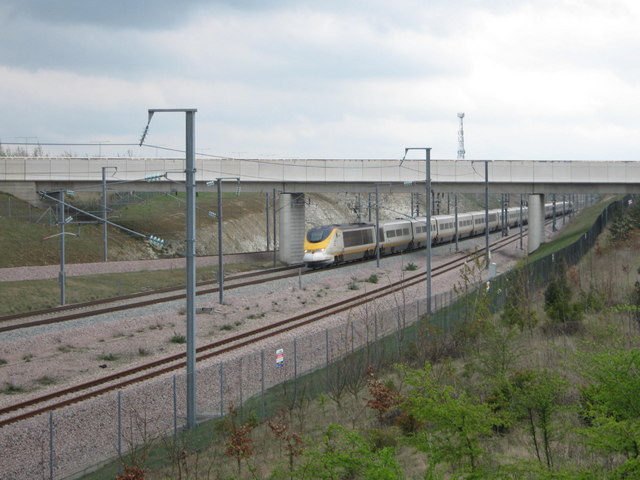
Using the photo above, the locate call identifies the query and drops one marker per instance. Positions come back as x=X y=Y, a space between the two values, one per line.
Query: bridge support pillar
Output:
x=536 y=222
x=291 y=228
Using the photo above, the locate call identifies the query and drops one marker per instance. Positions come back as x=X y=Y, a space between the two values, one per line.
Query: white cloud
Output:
x=536 y=78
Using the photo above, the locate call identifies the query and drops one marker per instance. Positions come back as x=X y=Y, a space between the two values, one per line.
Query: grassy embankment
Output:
x=24 y=243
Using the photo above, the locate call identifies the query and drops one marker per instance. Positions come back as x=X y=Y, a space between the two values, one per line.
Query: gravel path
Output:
x=48 y=358
x=44 y=272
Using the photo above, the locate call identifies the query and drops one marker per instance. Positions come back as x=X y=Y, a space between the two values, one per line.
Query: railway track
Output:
x=85 y=390
x=143 y=299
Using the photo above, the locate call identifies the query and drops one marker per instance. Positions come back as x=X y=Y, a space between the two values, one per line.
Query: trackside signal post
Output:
x=190 y=114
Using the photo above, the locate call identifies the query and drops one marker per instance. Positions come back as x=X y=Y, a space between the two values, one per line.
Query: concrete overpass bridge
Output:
x=24 y=177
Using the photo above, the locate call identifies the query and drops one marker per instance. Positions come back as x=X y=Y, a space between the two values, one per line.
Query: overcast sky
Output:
x=536 y=79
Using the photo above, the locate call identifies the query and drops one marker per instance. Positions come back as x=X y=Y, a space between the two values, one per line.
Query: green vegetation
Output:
x=373 y=278
x=178 y=338
x=9 y=388
x=411 y=266
x=46 y=380
x=108 y=357
x=578 y=226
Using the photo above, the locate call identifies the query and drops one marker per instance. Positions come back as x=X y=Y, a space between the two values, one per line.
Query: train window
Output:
x=405 y=231
x=391 y=233
x=399 y=232
x=318 y=234
x=381 y=234
x=357 y=237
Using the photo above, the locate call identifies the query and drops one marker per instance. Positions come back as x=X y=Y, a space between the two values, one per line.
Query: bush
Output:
x=178 y=338
x=557 y=300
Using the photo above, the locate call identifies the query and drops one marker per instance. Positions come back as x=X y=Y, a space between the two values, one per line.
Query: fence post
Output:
x=222 y=389
x=241 y=382
x=295 y=369
x=175 y=411
x=119 y=442
x=326 y=349
x=51 y=448
x=398 y=332
x=352 y=339
x=262 y=383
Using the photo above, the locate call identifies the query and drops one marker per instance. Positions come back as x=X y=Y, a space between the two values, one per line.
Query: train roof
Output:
x=344 y=226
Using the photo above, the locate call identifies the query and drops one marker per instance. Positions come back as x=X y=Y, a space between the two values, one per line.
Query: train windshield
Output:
x=318 y=234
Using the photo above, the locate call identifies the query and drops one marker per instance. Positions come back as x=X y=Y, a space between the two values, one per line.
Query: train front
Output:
x=317 y=246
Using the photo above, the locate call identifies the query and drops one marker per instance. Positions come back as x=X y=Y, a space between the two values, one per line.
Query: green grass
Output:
x=46 y=380
x=23 y=242
x=27 y=296
x=573 y=231
x=11 y=389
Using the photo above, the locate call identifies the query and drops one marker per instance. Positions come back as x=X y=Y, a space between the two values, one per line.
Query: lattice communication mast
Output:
x=461 y=138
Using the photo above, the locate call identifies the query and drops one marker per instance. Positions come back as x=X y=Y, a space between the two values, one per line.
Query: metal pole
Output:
x=455 y=206
x=266 y=209
x=220 y=257
x=190 y=170
x=191 y=268
x=262 y=384
x=222 y=389
x=411 y=193
x=555 y=228
x=62 y=275
x=274 y=228
x=428 y=193
x=487 y=254
x=175 y=411
x=428 y=215
x=119 y=442
x=104 y=213
x=52 y=453
x=377 y=229
x=521 y=220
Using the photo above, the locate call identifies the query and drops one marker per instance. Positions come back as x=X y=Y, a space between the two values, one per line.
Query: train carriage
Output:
x=446 y=228
x=339 y=243
x=420 y=231
x=395 y=236
x=465 y=225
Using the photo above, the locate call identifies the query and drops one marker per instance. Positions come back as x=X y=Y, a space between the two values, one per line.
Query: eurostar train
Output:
x=338 y=243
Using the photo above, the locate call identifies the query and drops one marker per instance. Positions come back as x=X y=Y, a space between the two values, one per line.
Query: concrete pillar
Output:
x=536 y=222
x=291 y=228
